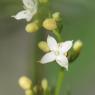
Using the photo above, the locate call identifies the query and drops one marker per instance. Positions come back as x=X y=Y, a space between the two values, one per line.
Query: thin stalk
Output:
x=61 y=73
x=47 y=92
x=57 y=34
x=59 y=83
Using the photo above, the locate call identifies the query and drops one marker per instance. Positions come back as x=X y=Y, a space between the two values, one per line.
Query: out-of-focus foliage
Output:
x=9 y=7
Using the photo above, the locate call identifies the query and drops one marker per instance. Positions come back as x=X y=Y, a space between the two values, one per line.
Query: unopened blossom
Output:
x=49 y=24
x=30 y=9
x=56 y=16
x=25 y=83
x=32 y=27
x=43 y=46
x=44 y=84
x=77 y=45
x=57 y=52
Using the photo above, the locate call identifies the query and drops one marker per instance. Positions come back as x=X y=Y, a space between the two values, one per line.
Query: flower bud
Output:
x=35 y=89
x=32 y=27
x=25 y=83
x=29 y=92
x=43 y=1
x=77 y=45
x=56 y=16
x=43 y=46
x=49 y=24
x=44 y=84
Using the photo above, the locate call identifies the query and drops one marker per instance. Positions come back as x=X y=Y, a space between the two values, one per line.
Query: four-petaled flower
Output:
x=57 y=52
x=30 y=9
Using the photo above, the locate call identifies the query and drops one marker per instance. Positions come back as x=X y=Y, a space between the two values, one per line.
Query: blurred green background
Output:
x=18 y=48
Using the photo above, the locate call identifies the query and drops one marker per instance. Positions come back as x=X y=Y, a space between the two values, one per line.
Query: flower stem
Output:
x=59 y=83
x=57 y=34
x=46 y=92
x=61 y=73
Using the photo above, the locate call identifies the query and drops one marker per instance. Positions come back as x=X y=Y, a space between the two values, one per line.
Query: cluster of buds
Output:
x=31 y=10
x=49 y=23
x=26 y=84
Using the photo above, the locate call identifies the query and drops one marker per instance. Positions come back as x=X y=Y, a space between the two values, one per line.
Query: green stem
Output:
x=61 y=73
x=57 y=34
x=46 y=92
x=59 y=83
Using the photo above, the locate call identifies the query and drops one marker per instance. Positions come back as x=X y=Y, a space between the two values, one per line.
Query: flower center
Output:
x=57 y=53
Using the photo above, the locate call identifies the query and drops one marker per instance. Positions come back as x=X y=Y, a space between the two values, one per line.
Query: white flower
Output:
x=57 y=52
x=30 y=9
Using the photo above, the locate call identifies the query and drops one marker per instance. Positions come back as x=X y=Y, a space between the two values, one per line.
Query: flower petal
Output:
x=65 y=46
x=62 y=61
x=25 y=14
x=49 y=57
x=52 y=43
x=29 y=4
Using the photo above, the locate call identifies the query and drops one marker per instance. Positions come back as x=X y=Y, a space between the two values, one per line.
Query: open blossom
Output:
x=57 y=52
x=30 y=9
